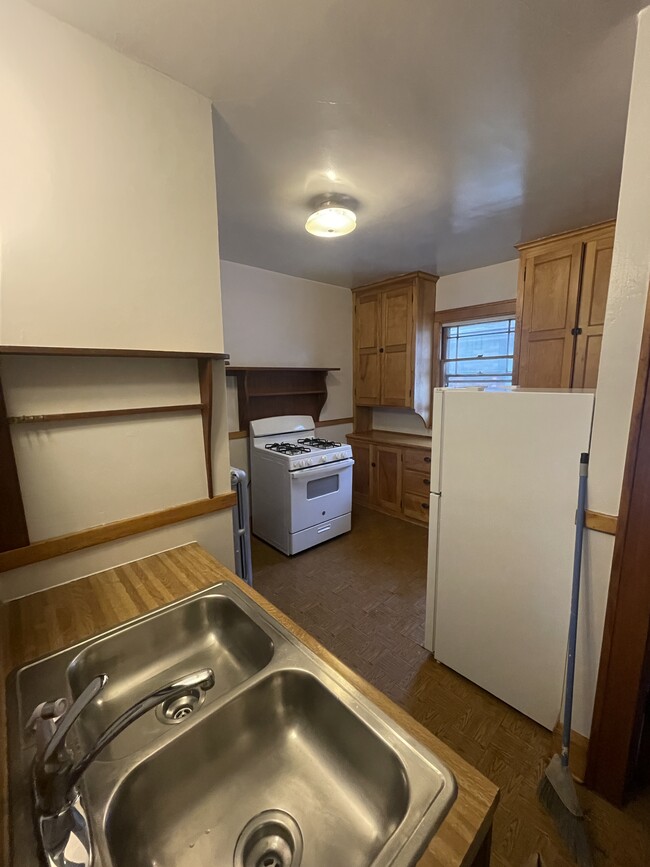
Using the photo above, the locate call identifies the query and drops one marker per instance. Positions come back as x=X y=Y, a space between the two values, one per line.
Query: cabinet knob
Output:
x=381 y=349
x=373 y=464
x=426 y=481
x=427 y=460
x=425 y=506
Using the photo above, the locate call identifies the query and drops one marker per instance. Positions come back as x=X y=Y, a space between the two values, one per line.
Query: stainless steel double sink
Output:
x=282 y=764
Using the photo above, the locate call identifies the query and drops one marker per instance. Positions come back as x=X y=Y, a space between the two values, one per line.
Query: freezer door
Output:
x=505 y=541
x=436 y=438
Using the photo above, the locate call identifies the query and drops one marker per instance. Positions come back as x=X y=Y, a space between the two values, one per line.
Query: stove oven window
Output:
x=320 y=487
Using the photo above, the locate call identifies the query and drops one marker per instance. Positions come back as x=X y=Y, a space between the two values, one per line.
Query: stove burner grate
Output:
x=317 y=443
x=287 y=448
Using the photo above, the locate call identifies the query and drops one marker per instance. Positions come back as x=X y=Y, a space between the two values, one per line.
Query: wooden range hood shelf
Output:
x=268 y=391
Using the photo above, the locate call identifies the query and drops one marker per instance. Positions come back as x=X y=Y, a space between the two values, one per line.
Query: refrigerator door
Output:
x=432 y=571
x=509 y=467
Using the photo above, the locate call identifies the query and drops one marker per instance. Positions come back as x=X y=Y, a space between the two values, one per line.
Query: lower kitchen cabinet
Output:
x=391 y=473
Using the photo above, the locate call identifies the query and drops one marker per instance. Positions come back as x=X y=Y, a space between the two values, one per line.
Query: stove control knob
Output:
x=323 y=460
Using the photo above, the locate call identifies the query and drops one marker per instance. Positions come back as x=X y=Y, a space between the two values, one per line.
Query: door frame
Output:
x=624 y=671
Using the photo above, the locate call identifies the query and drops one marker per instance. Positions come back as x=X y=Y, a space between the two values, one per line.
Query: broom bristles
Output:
x=570 y=827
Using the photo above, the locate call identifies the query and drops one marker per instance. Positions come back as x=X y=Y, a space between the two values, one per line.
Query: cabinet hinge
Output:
x=576 y=331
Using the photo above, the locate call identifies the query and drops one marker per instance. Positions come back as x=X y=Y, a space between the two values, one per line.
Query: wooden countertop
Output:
x=44 y=622
x=393 y=438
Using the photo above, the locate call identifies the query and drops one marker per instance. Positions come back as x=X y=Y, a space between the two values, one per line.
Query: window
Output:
x=478 y=353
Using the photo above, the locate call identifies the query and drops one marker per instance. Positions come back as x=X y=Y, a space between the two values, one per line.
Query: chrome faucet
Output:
x=61 y=816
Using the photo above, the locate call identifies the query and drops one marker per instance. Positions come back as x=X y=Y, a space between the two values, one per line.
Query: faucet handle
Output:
x=46 y=710
x=57 y=740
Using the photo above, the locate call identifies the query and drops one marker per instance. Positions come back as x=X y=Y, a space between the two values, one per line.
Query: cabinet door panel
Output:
x=396 y=346
x=593 y=301
x=418 y=460
x=394 y=379
x=416 y=507
x=545 y=364
x=361 y=473
x=387 y=491
x=367 y=310
x=549 y=313
x=416 y=483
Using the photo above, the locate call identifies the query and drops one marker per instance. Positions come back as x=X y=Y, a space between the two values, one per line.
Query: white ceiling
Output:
x=461 y=126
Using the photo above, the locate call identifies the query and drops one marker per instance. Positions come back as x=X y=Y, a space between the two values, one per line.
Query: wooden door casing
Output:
x=367 y=318
x=597 y=266
x=396 y=346
x=548 y=315
x=617 y=730
x=387 y=477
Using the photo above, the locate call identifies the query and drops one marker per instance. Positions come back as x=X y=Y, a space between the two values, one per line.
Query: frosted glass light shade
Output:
x=331 y=222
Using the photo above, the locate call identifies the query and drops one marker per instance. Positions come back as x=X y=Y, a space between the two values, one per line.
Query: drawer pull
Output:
x=427 y=460
x=424 y=505
x=426 y=481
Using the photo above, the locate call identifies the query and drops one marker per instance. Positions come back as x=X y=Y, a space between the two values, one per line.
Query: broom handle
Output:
x=575 y=601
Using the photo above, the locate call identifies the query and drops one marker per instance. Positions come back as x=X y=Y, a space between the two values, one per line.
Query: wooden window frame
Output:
x=459 y=315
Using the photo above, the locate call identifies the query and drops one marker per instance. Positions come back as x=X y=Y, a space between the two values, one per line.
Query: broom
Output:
x=557 y=791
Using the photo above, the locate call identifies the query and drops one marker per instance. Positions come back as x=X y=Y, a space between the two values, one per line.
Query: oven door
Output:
x=320 y=493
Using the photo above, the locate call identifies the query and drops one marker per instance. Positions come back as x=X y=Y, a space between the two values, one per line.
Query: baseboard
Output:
x=578 y=753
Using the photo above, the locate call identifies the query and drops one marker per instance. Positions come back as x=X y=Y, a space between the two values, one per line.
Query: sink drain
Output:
x=176 y=710
x=270 y=839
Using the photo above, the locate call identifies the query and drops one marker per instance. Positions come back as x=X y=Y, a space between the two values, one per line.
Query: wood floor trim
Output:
x=55 y=547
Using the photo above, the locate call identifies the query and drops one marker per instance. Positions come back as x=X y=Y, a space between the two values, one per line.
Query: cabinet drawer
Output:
x=416 y=483
x=417 y=459
x=416 y=506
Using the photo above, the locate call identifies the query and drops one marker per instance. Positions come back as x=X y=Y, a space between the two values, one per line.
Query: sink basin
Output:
x=283 y=763
x=151 y=653
x=286 y=744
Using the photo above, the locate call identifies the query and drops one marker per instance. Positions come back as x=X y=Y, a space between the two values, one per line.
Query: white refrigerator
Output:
x=504 y=484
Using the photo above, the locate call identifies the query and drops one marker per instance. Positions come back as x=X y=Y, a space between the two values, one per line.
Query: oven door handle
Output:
x=322 y=469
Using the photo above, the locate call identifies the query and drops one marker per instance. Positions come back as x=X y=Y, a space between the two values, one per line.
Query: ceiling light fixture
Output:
x=332 y=218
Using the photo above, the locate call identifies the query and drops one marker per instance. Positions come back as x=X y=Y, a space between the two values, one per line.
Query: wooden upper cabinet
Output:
x=548 y=317
x=367 y=315
x=396 y=349
x=561 y=302
x=393 y=343
x=593 y=301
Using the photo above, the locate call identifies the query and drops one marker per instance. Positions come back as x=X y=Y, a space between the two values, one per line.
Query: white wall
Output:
x=108 y=226
x=108 y=219
x=273 y=319
x=618 y=368
x=478 y=286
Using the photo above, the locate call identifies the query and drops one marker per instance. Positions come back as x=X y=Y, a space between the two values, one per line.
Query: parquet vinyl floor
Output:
x=362 y=596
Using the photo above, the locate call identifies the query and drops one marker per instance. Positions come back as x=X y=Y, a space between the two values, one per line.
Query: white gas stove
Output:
x=301 y=484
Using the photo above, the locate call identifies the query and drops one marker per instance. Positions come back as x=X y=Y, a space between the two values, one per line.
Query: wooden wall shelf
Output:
x=110 y=353
x=14 y=536
x=268 y=391
x=102 y=413
x=56 y=547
